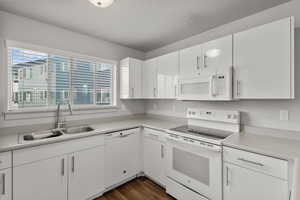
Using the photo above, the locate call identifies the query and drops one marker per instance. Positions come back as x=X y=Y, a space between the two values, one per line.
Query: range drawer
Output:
x=264 y=164
x=5 y=160
x=154 y=134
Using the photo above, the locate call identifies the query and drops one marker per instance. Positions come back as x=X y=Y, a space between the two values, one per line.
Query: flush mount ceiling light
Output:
x=102 y=3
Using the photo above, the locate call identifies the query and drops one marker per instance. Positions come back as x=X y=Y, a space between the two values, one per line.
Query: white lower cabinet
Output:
x=242 y=183
x=86 y=173
x=154 y=155
x=122 y=156
x=5 y=184
x=71 y=170
x=251 y=176
x=45 y=179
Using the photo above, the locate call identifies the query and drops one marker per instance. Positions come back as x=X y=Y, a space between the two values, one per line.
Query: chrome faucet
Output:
x=58 y=122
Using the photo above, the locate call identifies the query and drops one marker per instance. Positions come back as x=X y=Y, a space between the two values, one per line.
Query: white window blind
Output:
x=37 y=79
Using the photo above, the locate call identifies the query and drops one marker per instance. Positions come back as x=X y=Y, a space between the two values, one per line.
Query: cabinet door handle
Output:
x=3 y=184
x=63 y=167
x=204 y=61
x=73 y=164
x=132 y=92
x=154 y=92
x=238 y=89
x=198 y=63
x=175 y=93
x=251 y=162
x=227 y=173
x=162 y=151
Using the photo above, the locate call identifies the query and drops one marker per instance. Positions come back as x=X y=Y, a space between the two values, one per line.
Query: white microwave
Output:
x=212 y=86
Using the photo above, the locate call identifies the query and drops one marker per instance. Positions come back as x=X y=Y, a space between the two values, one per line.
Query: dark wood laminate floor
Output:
x=137 y=189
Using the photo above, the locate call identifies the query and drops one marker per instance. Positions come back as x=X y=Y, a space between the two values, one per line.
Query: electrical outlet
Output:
x=284 y=115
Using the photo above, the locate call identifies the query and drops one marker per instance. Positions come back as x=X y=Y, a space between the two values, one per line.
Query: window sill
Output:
x=50 y=112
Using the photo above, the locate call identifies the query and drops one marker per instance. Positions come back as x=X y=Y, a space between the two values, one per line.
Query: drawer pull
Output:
x=63 y=167
x=227 y=173
x=73 y=164
x=3 y=184
x=251 y=162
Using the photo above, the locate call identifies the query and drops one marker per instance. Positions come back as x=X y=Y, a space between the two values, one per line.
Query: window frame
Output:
x=60 y=53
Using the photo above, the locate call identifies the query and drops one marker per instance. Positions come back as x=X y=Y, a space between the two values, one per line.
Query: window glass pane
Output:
x=82 y=82
x=25 y=81
x=58 y=79
x=38 y=79
x=104 y=84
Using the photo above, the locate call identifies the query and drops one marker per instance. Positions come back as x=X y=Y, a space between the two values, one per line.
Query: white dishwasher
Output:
x=250 y=176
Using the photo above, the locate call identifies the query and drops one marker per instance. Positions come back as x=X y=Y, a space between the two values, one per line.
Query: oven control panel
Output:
x=214 y=115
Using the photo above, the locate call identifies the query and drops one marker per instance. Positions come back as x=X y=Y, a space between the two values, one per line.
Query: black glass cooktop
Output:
x=215 y=134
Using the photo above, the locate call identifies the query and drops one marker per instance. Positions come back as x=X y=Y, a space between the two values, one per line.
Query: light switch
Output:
x=284 y=115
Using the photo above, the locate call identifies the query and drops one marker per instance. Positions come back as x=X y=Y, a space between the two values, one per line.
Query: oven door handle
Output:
x=210 y=147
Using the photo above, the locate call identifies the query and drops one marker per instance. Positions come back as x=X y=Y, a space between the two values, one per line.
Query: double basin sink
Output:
x=42 y=135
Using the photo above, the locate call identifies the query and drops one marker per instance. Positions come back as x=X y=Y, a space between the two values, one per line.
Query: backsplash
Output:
x=265 y=113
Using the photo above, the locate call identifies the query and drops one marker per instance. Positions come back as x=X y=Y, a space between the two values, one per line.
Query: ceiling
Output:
x=140 y=24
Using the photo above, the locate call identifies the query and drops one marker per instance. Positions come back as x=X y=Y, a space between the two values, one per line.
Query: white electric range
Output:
x=194 y=154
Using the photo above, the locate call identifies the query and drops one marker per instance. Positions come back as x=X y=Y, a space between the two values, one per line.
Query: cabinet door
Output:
x=5 y=184
x=130 y=78
x=217 y=54
x=263 y=61
x=190 y=61
x=154 y=160
x=86 y=173
x=167 y=74
x=122 y=157
x=149 y=78
x=136 y=78
x=241 y=183
x=45 y=179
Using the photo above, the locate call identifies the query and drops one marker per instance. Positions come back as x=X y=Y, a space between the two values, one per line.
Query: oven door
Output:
x=198 y=167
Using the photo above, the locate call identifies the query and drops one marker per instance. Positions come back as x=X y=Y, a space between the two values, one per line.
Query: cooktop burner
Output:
x=215 y=134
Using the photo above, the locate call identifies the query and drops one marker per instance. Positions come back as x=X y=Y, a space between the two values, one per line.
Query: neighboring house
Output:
x=29 y=84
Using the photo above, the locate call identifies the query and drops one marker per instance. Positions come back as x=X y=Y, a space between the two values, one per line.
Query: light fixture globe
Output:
x=102 y=3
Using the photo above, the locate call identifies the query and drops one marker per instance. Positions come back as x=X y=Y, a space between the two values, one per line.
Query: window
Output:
x=38 y=79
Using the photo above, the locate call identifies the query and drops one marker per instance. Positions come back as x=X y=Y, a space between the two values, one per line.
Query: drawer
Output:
x=5 y=160
x=180 y=192
x=264 y=164
x=154 y=134
x=32 y=154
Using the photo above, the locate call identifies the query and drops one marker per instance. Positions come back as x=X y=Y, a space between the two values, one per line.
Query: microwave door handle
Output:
x=212 y=86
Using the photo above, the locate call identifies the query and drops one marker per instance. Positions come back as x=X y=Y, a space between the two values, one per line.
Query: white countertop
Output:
x=11 y=141
x=271 y=146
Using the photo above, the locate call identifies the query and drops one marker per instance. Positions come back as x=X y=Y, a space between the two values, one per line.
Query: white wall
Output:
x=262 y=113
x=25 y=30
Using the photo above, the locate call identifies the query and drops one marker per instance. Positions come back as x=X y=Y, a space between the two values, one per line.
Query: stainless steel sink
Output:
x=77 y=130
x=42 y=135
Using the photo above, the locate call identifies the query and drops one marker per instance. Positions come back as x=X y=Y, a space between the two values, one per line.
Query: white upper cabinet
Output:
x=167 y=75
x=190 y=61
x=149 y=78
x=206 y=58
x=130 y=78
x=264 y=61
x=217 y=54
